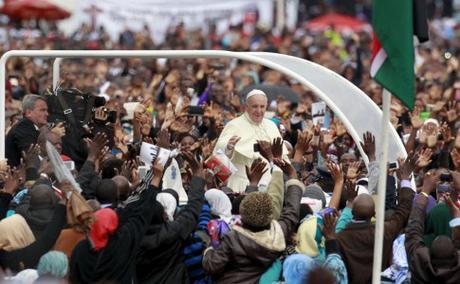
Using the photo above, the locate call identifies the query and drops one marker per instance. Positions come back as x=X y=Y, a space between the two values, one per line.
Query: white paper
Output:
x=130 y=108
x=318 y=111
x=150 y=152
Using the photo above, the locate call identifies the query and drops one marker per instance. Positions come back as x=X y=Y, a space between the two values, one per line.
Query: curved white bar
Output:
x=351 y=105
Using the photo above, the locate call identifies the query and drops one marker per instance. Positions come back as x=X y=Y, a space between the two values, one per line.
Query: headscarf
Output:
x=26 y=276
x=437 y=223
x=103 y=228
x=220 y=203
x=15 y=233
x=53 y=263
x=169 y=204
x=296 y=268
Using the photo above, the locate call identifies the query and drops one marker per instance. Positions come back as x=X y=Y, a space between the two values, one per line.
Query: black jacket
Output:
x=5 y=199
x=116 y=262
x=19 y=139
x=88 y=179
x=37 y=219
x=161 y=257
x=29 y=256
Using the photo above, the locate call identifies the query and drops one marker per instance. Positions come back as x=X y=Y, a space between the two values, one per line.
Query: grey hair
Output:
x=29 y=102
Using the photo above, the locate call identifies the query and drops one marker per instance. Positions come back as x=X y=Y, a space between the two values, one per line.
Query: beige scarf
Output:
x=15 y=233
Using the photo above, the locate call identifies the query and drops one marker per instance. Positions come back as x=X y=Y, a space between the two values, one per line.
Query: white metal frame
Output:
x=315 y=77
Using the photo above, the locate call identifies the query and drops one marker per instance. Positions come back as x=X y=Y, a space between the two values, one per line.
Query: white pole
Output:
x=280 y=14
x=56 y=72
x=380 y=206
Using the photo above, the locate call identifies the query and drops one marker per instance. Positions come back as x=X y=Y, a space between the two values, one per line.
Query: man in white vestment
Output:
x=239 y=136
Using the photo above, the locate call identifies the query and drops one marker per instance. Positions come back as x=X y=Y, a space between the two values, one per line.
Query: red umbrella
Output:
x=338 y=22
x=38 y=9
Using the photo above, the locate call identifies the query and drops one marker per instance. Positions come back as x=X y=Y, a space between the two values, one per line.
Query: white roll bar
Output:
x=352 y=106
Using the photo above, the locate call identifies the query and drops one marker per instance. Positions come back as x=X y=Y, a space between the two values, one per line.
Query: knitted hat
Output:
x=314 y=191
x=256 y=210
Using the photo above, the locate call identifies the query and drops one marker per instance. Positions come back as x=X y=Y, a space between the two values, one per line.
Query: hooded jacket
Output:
x=418 y=253
x=243 y=255
x=161 y=255
x=38 y=208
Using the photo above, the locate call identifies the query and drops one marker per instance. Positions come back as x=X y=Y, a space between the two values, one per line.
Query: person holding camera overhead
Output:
x=243 y=140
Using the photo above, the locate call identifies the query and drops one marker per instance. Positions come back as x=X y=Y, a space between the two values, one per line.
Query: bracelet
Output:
x=424 y=194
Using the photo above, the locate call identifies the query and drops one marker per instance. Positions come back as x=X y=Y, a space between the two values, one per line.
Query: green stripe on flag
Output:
x=393 y=24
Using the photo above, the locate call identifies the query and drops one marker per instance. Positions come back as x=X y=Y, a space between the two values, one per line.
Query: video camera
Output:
x=76 y=110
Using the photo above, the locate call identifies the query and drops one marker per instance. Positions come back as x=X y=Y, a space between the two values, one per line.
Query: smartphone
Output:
x=256 y=147
x=393 y=166
x=142 y=170
x=195 y=110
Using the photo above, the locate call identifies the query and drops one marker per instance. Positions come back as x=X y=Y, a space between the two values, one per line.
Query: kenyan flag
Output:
x=395 y=23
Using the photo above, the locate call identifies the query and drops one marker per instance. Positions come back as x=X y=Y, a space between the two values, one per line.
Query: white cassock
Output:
x=243 y=154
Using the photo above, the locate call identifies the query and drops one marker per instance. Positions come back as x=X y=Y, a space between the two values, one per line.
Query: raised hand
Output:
x=368 y=145
x=451 y=113
x=407 y=167
x=286 y=168
x=336 y=171
x=265 y=149
x=195 y=165
x=327 y=138
x=353 y=170
x=415 y=119
x=328 y=229
x=96 y=145
x=59 y=129
x=232 y=142
x=164 y=139
x=424 y=158
x=304 y=139
x=350 y=191
x=438 y=106
x=277 y=148
x=430 y=180
x=12 y=180
x=208 y=147
x=455 y=155
x=340 y=129
x=446 y=132
x=256 y=171
x=30 y=157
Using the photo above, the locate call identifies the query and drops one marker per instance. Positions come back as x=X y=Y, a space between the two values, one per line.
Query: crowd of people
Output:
x=250 y=191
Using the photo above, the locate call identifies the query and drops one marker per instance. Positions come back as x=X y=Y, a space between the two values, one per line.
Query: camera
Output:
x=111 y=115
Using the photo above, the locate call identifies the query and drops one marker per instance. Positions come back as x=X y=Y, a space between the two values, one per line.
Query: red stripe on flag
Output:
x=376 y=46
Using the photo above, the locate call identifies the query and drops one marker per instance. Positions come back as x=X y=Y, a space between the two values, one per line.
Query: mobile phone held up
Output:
x=393 y=166
x=195 y=110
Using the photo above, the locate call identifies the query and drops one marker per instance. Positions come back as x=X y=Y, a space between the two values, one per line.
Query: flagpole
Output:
x=380 y=206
